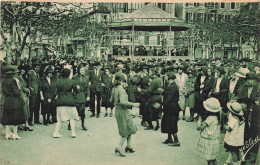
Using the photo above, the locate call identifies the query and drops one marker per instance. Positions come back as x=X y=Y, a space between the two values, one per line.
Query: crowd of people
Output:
x=221 y=95
x=149 y=51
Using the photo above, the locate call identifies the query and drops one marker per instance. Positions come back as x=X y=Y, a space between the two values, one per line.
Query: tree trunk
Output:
x=29 y=56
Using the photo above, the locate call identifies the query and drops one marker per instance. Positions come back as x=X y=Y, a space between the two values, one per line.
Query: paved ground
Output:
x=96 y=146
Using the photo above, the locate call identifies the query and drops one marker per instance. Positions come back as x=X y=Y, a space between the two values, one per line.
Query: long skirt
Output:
x=65 y=113
x=182 y=101
x=13 y=116
x=26 y=110
x=125 y=123
x=106 y=94
x=190 y=100
x=169 y=123
x=207 y=149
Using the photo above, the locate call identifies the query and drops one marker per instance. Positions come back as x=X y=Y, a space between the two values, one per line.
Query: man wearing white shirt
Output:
x=220 y=91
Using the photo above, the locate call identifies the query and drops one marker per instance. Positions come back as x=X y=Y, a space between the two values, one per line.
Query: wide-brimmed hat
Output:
x=49 y=69
x=242 y=72
x=120 y=66
x=181 y=67
x=172 y=67
x=212 y=105
x=11 y=69
x=235 y=107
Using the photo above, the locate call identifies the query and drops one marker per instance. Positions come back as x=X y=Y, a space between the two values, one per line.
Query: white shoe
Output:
x=73 y=135
x=57 y=135
x=16 y=137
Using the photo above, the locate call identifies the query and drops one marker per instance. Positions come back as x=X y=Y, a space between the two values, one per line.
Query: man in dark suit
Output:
x=96 y=77
x=82 y=81
x=220 y=91
x=34 y=99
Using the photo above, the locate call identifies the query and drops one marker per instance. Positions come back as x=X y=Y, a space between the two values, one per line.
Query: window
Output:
x=196 y=4
x=125 y=7
x=225 y=54
x=219 y=18
x=164 y=6
x=227 y=16
x=159 y=5
x=146 y=40
x=200 y=17
x=187 y=4
x=233 y=5
x=187 y=16
x=158 y=39
x=222 y=5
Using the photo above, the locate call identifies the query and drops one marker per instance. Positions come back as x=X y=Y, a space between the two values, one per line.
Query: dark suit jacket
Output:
x=48 y=91
x=240 y=82
x=96 y=80
x=222 y=96
x=152 y=90
x=170 y=99
x=33 y=82
x=242 y=95
x=83 y=84
x=208 y=86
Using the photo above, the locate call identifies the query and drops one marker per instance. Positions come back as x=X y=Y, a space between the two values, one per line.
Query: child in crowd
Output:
x=234 y=138
x=207 y=145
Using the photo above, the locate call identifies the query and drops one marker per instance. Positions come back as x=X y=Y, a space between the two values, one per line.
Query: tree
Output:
x=248 y=21
x=21 y=21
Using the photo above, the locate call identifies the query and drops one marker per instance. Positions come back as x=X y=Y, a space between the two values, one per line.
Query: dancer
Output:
x=82 y=82
x=171 y=110
x=66 y=103
x=126 y=126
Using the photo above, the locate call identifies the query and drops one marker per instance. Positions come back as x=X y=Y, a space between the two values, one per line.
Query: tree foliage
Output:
x=24 y=22
x=241 y=28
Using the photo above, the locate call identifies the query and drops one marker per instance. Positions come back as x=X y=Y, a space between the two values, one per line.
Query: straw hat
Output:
x=235 y=107
x=242 y=72
x=212 y=105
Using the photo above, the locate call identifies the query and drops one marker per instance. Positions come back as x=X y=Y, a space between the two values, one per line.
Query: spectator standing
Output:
x=96 y=89
x=208 y=143
x=34 y=98
x=13 y=113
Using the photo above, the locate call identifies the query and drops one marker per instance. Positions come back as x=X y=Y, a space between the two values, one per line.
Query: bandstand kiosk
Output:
x=148 y=19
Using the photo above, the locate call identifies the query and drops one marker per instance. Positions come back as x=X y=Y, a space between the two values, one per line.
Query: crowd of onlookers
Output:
x=149 y=51
x=221 y=95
